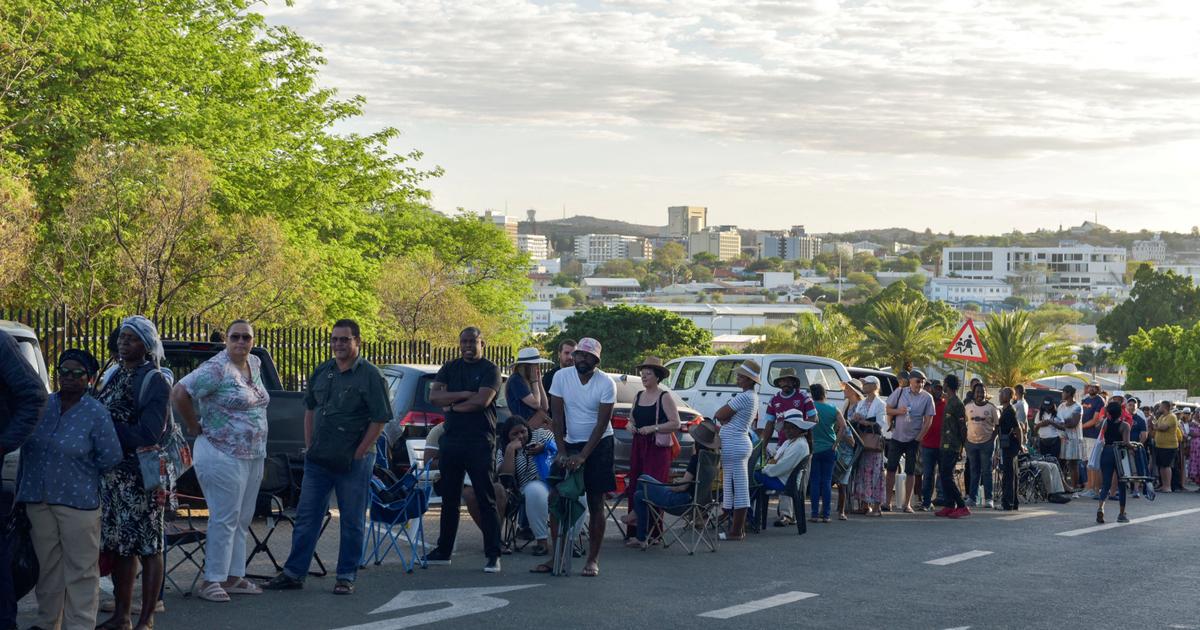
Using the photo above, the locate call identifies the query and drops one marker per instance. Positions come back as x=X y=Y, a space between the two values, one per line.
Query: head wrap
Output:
x=84 y=357
x=148 y=333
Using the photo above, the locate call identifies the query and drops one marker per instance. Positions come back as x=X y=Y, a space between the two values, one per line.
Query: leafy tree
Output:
x=866 y=283
x=1156 y=299
x=628 y=333
x=1053 y=317
x=900 y=333
x=1093 y=358
x=916 y=281
x=18 y=230
x=422 y=299
x=706 y=259
x=1020 y=349
x=831 y=335
x=1016 y=301
x=701 y=273
x=944 y=315
x=562 y=301
x=1164 y=357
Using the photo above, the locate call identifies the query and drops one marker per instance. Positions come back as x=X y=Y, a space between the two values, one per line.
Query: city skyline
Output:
x=837 y=115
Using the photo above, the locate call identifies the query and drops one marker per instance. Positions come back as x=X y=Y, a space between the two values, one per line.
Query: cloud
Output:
x=956 y=78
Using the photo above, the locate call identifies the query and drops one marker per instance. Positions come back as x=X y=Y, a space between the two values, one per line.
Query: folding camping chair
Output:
x=425 y=476
x=185 y=530
x=395 y=505
x=696 y=521
x=277 y=495
x=568 y=510
x=510 y=526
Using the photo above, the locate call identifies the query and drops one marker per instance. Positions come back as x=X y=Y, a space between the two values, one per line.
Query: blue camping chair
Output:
x=395 y=503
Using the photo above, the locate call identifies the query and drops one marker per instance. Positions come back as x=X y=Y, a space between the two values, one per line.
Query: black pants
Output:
x=950 y=492
x=1008 y=479
x=8 y=600
x=456 y=461
x=1050 y=446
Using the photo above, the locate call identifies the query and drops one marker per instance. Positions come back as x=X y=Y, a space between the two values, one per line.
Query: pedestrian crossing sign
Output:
x=966 y=345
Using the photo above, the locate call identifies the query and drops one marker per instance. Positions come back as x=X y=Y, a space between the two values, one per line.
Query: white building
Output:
x=959 y=290
x=1191 y=270
x=729 y=319
x=600 y=288
x=1153 y=250
x=777 y=279
x=724 y=242
x=794 y=245
x=504 y=222
x=598 y=249
x=684 y=221
x=536 y=245
x=1082 y=270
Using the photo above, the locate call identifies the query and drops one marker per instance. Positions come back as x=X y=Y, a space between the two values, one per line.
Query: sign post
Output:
x=966 y=345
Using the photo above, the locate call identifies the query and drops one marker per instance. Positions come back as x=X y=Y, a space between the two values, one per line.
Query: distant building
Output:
x=543 y=288
x=727 y=319
x=724 y=242
x=1153 y=250
x=504 y=222
x=1191 y=270
x=1042 y=272
x=866 y=246
x=959 y=290
x=684 y=221
x=598 y=249
x=794 y=245
x=602 y=288
x=537 y=245
x=777 y=279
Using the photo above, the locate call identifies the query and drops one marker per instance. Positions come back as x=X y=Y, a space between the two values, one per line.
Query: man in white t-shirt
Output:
x=581 y=405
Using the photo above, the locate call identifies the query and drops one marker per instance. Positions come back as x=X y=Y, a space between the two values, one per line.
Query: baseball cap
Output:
x=916 y=374
x=871 y=379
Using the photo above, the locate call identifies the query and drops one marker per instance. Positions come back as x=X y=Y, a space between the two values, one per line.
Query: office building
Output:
x=960 y=290
x=598 y=249
x=1153 y=250
x=1033 y=272
x=794 y=245
x=536 y=245
x=504 y=222
x=724 y=242
x=684 y=221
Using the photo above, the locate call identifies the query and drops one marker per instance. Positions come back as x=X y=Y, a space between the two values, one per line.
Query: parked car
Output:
x=706 y=383
x=887 y=381
x=1034 y=398
x=27 y=342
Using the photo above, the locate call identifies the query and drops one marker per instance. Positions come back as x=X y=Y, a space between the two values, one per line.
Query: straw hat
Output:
x=526 y=356
x=786 y=372
x=751 y=370
x=705 y=434
x=656 y=364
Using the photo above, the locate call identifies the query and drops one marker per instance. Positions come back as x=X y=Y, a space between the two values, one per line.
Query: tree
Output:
x=866 y=283
x=1093 y=358
x=1156 y=299
x=562 y=301
x=860 y=315
x=706 y=259
x=18 y=231
x=1020 y=349
x=628 y=333
x=422 y=299
x=1164 y=357
x=916 y=281
x=1016 y=302
x=672 y=257
x=900 y=334
x=1052 y=317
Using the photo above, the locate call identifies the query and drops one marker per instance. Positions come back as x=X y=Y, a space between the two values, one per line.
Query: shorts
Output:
x=1164 y=457
x=598 y=474
x=896 y=448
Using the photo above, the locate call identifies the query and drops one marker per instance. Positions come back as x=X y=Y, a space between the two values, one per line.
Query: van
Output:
x=706 y=383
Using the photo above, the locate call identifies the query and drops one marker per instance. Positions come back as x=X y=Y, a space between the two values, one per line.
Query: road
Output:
x=1043 y=567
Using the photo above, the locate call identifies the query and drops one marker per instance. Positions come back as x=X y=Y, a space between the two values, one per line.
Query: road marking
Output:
x=960 y=628
x=463 y=602
x=1025 y=515
x=1132 y=521
x=941 y=562
x=757 y=605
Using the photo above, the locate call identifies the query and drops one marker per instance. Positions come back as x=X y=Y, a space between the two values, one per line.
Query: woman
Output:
x=1011 y=441
x=61 y=466
x=1166 y=443
x=982 y=417
x=1070 y=417
x=870 y=422
x=654 y=414
x=523 y=393
x=1049 y=429
x=847 y=448
x=736 y=418
x=228 y=454
x=515 y=457
x=1114 y=432
x=830 y=425
x=132 y=520
x=1194 y=446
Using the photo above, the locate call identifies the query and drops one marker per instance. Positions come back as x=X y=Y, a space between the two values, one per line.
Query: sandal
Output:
x=113 y=624
x=244 y=587
x=539 y=550
x=213 y=592
x=343 y=587
x=842 y=516
x=784 y=521
x=542 y=568
x=591 y=570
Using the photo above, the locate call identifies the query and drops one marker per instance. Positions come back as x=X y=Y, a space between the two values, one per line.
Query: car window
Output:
x=724 y=373
x=689 y=373
x=422 y=398
x=393 y=385
x=809 y=373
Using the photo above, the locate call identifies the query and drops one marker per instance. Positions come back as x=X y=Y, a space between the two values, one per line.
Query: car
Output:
x=1035 y=396
x=27 y=342
x=706 y=383
x=887 y=381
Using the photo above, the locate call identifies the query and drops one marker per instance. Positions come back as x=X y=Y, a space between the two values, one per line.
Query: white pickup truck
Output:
x=706 y=383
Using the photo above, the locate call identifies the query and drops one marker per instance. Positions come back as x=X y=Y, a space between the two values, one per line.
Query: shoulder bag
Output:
x=665 y=440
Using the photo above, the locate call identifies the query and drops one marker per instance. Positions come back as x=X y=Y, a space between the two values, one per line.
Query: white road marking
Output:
x=1132 y=521
x=463 y=602
x=960 y=628
x=1025 y=515
x=757 y=605
x=941 y=562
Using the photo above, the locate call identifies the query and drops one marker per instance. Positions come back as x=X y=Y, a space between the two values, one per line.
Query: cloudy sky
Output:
x=952 y=114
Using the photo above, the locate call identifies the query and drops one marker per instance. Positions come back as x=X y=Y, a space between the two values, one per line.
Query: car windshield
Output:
x=809 y=373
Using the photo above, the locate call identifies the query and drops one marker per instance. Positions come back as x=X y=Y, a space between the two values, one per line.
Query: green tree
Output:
x=18 y=231
x=562 y=301
x=866 y=284
x=1093 y=358
x=1053 y=317
x=916 y=281
x=1020 y=349
x=831 y=336
x=1156 y=299
x=1164 y=357
x=900 y=333
x=860 y=315
x=628 y=333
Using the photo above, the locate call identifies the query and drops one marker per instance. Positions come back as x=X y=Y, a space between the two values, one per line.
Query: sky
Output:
x=971 y=116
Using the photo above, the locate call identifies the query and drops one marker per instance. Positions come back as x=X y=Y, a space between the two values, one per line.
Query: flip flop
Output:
x=590 y=571
x=213 y=592
x=542 y=568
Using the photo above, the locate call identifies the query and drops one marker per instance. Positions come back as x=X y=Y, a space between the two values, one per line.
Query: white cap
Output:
x=870 y=379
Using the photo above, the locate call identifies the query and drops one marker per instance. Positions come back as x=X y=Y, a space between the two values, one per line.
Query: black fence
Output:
x=296 y=350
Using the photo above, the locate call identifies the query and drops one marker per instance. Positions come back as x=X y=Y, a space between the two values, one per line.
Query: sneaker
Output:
x=944 y=511
x=438 y=558
x=959 y=513
x=991 y=505
x=1088 y=494
x=492 y=566
x=923 y=508
x=970 y=502
x=885 y=508
x=284 y=582
x=1136 y=494
x=1121 y=518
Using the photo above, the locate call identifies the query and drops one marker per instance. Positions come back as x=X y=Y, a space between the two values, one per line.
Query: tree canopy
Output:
x=629 y=333
x=1020 y=349
x=1164 y=357
x=1157 y=299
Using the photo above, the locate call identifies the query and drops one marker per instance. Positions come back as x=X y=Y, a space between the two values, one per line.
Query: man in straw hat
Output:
x=789 y=398
x=790 y=453
x=581 y=405
x=704 y=436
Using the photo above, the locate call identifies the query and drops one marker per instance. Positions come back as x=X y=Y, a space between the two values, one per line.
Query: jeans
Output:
x=231 y=489
x=950 y=492
x=8 y=599
x=929 y=466
x=1108 y=467
x=662 y=496
x=1008 y=479
x=980 y=457
x=821 y=485
x=353 y=491
x=458 y=460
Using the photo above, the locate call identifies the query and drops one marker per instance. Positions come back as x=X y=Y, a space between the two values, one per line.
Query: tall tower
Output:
x=531 y=217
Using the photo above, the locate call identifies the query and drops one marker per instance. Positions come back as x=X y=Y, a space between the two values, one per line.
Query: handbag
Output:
x=166 y=461
x=665 y=440
x=24 y=561
x=871 y=442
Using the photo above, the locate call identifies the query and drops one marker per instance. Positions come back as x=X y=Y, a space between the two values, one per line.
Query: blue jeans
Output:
x=661 y=496
x=353 y=493
x=980 y=456
x=929 y=464
x=821 y=486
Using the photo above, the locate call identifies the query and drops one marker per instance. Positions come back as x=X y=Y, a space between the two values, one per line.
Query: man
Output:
x=913 y=417
x=347 y=405
x=566 y=349
x=893 y=400
x=467 y=388
x=1021 y=407
x=22 y=397
x=954 y=435
x=790 y=397
x=930 y=449
x=581 y=405
x=1092 y=405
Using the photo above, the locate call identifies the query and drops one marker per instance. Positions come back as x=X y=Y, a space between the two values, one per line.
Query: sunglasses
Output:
x=240 y=336
x=340 y=339
x=74 y=373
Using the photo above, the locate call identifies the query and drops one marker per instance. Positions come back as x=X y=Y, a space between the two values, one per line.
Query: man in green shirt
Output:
x=954 y=435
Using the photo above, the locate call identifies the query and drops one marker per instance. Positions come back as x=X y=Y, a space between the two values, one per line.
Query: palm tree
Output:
x=830 y=336
x=1020 y=349
x=902 y=333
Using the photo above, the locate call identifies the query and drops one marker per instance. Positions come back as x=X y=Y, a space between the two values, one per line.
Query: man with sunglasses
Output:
x=348 y=405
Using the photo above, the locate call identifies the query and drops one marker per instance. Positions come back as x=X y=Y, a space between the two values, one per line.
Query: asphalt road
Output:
x=862 y=573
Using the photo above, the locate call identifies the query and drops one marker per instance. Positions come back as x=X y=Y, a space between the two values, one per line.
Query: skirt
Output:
x=131 y=521
x=1072 y=449
x=868 y=478
x=1194 y=460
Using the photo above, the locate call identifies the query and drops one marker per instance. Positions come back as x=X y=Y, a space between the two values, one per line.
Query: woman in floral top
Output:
x=228 y=457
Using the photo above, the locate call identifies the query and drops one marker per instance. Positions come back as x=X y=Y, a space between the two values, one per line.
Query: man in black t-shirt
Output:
x=566 y=349
x=466 y=387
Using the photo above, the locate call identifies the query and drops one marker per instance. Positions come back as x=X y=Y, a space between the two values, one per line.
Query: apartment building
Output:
x=598 y=249
x=504 y=222
x=793 y=245
x=1043 y=272
x=684 y=221
x=960 y=290
x=1153 y=250
x=536 y=245
x=724 y=242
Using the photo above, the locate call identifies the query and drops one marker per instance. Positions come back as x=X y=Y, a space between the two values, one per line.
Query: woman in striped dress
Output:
x=736 y=418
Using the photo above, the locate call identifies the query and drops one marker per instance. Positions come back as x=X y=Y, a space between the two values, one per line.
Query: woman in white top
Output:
x=736 y=418
x=1070 y=416
x=870 y=422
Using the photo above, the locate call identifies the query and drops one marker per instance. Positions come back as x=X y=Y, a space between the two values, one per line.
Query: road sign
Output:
x=966 y=345
x=463 y=602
